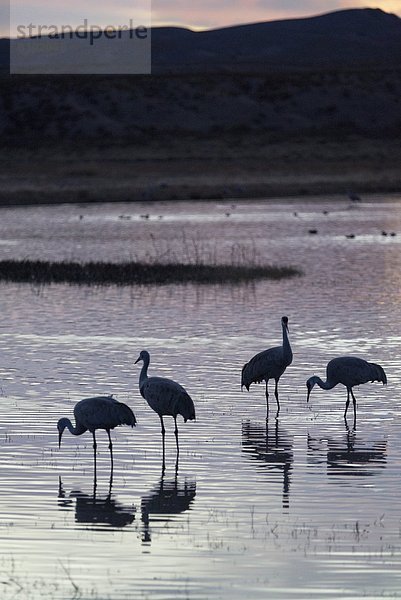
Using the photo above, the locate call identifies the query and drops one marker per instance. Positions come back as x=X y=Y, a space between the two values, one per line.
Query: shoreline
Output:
x=228 y=167
x=249 y=193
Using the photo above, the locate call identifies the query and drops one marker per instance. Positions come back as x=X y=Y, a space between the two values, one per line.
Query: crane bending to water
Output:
x=350 y=371
x=269 y=364
x=100 y=412
x=165 y=397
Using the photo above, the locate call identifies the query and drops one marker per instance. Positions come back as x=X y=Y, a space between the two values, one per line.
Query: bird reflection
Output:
x=168 y=498
x=271 y=446
x=97 y=509
x=350 y=455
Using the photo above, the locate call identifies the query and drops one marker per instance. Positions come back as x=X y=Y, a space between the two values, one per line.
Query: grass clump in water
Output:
x=136 y=273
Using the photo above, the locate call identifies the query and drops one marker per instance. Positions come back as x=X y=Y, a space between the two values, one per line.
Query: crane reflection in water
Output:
x=350 y=455
x=272 y=447
x=97 y=509
x=171 y=496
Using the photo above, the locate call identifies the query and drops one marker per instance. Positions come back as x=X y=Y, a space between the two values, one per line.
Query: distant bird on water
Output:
x=354 y=197
x=165 y=397
x=269 y=364
x=100 y=412
x=350 y=371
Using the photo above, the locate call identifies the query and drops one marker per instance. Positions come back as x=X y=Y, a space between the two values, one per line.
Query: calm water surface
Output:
x=300 y=507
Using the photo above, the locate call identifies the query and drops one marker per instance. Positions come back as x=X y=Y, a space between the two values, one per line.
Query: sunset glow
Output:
x=206 y=14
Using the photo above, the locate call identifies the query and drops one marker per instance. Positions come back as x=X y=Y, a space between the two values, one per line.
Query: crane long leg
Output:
x=176 y=434
x=346 y=404
x=162 y=424
x=276 y=394
x=111 y=452
x=354 y=403
x=94 y=458
x=267 y=399
x=163 y=435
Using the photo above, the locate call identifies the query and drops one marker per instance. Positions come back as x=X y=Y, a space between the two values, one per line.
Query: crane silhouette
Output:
x=100 y=412
x=350 y=371
x=269 y=364
x=165 y=397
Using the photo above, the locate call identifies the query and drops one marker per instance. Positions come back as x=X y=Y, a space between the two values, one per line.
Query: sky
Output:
x=199 y=14
x=212 y=13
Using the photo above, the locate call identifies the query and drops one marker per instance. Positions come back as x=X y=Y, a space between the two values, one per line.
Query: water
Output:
x=299 y=508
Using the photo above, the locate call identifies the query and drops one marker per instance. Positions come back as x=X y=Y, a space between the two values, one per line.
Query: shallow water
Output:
x=299 y=508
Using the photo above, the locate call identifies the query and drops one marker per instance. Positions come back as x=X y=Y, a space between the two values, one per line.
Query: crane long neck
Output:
x=325 y=385
x=286 y=344
x=144 y=371
x=77 y=430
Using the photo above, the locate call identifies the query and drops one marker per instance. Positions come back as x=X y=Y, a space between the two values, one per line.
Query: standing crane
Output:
x=269 y=364
x=165 y=397
x=100 y=412
x=350 y=371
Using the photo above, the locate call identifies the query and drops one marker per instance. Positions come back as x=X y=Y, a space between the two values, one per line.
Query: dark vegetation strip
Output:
x=130 y=273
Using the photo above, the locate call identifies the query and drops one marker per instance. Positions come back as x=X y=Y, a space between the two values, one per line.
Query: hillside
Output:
x=347 y=38
x=333 y=102
x=356 y=38
x=338 y=72
x=306 y=106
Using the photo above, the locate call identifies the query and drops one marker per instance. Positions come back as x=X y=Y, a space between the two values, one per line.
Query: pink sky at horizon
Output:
x=209 y=14
x=203 y=14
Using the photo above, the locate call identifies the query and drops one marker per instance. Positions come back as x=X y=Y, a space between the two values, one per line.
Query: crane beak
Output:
x=309 y=391
x=137 y=360
x=60 y=433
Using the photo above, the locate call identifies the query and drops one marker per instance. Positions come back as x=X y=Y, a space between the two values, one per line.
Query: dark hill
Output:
x=336 y=74
x=346 y=38
x=363 y=37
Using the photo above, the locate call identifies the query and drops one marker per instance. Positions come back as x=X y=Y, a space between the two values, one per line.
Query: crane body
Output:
x=165 y=396
x=269 y=364
x=349 y=371
x=99 y=412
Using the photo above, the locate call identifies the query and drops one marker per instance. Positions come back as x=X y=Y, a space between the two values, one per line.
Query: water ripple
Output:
x=297 y=508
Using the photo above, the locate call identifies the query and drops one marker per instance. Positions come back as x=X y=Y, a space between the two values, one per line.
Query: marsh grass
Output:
x=196 y=251
x=136 y=273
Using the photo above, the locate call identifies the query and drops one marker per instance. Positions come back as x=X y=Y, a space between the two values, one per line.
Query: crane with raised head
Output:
x=269 y=364
x=165 y=397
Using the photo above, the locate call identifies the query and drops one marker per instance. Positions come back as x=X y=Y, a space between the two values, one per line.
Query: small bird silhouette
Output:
x=165 y=397
x=100 y=412
x=354 y=197
x=269 y=364
x=350 y=371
